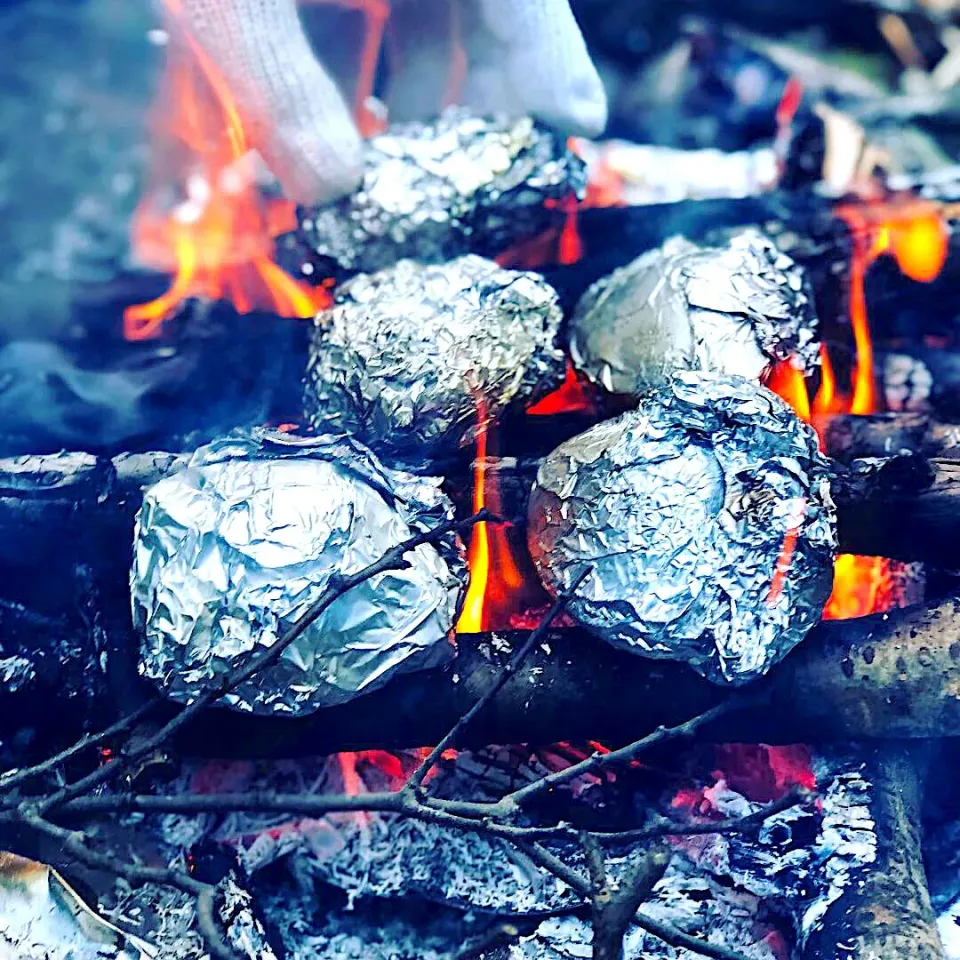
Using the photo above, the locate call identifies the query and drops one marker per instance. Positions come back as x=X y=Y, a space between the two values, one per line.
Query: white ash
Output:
x=684 y=898
x=167 y=919
x=907 y=383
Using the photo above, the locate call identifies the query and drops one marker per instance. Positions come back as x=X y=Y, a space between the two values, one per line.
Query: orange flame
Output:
x=915 y=233
x=218 y=238
x=497 y=587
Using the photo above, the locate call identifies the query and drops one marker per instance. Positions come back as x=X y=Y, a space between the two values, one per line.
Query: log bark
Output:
x=851 y=436
x=893 y=675
x=905 y=508
x=888 y=912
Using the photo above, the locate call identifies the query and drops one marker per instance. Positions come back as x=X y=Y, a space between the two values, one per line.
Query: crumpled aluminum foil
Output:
x=233 y=549
x=731 y=309
x=704 y=519
x=411 y=358
x=43 y=918
x=433 y=191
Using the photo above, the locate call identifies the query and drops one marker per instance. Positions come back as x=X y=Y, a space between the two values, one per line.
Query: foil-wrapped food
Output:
x=704 y=522
x=433 y=191
x=410 y=359
x=232 y=550
x=733 y=309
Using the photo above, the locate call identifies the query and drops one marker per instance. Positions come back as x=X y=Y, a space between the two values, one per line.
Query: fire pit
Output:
x=547 y=549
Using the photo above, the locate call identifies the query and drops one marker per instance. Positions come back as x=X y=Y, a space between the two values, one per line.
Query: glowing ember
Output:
x=572 y=396
x=217 y=236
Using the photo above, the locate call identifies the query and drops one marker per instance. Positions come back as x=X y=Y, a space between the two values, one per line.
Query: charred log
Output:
x=850 y=436
x=904 y=508
x=887 y=914
x=885 y=676
x=803 y=224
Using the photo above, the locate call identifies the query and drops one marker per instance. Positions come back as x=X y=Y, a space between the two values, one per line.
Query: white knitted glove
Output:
x=523 y=57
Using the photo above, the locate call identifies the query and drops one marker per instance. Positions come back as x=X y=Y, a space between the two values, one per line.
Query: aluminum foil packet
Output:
x=733 y=309
x=232 y=550
x=410 y=359
x=434 y=191
x=704 y=520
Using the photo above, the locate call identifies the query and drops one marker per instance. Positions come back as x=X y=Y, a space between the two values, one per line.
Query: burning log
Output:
x=803 y=224
x=922 y=494
x=890 y=675
x=888 y=913
x=850 y=436
x=904 y=508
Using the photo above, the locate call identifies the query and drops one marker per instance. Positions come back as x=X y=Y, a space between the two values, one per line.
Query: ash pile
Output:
x=644 y=355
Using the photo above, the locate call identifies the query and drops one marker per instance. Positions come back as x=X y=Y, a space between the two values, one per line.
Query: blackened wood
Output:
x=885 y=676
x=904 y=507
x=850 y=436
x=887 y=913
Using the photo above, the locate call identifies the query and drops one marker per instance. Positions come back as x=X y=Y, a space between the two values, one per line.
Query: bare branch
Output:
x=338 y=585
x=509 y=669
x=124 y=725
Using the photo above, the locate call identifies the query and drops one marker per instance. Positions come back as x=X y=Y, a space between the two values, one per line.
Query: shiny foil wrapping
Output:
x=705 y=521
x=411 y=358
x=434 y=191
x=732 y=309
x=233 y=549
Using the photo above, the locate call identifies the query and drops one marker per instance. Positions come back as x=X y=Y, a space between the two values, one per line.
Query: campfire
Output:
x=545 y=549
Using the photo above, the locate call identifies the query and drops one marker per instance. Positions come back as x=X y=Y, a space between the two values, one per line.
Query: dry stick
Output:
x=337 y=586
x=16 y=777
x=614 y=912
x=74 y=842
x=749 y=823
x=662 y=931
x=480 y=821
x=509 y=669
x=511 y=804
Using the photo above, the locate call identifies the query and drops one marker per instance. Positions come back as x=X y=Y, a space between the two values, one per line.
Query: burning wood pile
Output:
x=546 y=548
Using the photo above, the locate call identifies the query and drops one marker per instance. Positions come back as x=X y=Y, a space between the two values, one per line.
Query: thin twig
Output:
x=16 y=777
x=662 y=931
x=75 y=843
x=747 y=824
x=338 y=585
x=598 y=761
x=509 y=669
